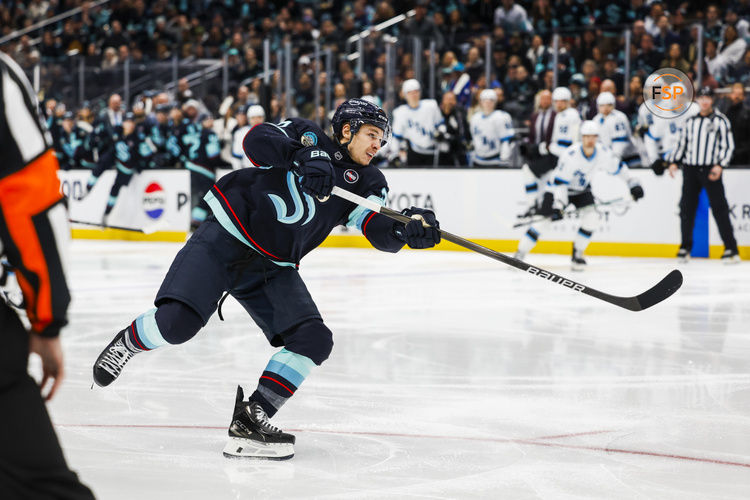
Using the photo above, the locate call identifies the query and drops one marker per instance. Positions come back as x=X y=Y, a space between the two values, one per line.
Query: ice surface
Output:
x=453 y=376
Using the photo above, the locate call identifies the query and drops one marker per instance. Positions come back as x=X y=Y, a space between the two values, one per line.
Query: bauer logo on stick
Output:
x=154 y=200
x=668 y=93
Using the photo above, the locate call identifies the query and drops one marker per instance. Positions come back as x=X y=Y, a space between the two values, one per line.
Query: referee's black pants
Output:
x=32 y=465
x=694 y=179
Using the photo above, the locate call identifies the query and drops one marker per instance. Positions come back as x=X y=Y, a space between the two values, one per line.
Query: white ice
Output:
x=453 y=376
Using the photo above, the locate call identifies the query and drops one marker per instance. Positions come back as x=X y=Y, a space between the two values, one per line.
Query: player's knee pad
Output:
x=312 y=339
x=177 y=321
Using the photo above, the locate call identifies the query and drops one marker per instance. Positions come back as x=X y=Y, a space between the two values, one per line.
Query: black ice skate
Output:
x=683 y=256
x=112 y=360
x=730 y=256
x=252 y=435
x=577 y=263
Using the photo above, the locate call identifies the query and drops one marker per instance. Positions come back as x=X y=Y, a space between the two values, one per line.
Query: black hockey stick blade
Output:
x=660 y=291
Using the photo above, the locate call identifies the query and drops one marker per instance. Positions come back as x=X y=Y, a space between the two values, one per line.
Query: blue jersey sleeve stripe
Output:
x=562 y=142
x=620 y=139
x=559 y=181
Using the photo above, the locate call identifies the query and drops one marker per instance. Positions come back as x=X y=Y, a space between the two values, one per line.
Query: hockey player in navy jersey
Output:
x=263 y=221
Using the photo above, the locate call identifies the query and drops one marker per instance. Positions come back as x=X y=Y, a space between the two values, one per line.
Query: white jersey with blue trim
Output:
x=615 y=133
x=418 y=126
x=664 y=132
x=564 y=131
x=575 y=170
x=491 y=135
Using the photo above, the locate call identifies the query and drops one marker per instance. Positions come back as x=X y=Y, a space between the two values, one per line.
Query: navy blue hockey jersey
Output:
x=265 y=208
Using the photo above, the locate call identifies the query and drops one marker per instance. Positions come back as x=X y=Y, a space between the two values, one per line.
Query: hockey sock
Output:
x=531 y=185
x=143 y=334
x=110 y=204
x=582 y=240
x=283 y=375
x=528 y=241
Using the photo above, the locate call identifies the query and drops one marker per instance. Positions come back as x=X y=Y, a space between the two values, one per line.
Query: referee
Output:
x=704 y=149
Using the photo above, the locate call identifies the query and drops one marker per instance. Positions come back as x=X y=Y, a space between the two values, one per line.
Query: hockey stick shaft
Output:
x=97 y=224
x=662 y=290
x=567 y=214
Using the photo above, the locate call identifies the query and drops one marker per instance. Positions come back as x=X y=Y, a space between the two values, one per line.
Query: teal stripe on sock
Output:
x=301 y=364
x=148 y=330
x=285 y=371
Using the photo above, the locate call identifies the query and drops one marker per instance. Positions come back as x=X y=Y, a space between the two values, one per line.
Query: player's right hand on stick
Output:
x=415 y=233
x=315 y=171
x=547 y=210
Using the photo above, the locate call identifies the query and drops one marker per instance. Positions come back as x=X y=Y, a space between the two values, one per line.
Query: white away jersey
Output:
x=615 y=133
x=239 y=158
x=564 y=131
x=418 y=125
x=491 y=135
x=574 y=170
x=663 y=133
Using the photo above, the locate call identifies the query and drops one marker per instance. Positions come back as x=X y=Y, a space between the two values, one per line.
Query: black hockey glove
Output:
x=315 y=171
x=547 y=210
x=659 y=166
x=414 y=233
x=636 y=192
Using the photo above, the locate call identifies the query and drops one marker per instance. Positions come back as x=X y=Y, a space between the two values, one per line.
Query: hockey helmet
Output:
x=605 y=98
x=357 y=112
x=561 y=94
x=488 y=94
x=410 y=85
x=256 y=110
x=589 y=127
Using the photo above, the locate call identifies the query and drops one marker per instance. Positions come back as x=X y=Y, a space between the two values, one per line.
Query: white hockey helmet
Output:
x=488 y=95
x=605 y=98
x=561 y=94
x=256 y=110
x=589 y=127
x=410 y=85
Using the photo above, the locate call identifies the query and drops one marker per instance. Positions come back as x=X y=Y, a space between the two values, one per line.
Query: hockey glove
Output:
x=315 y=171
x=636 y=192
x=659 y=166
x=414 y=233
x=547 y=210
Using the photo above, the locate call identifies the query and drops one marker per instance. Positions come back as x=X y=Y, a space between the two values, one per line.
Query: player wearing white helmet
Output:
x=615 y=130
x=571 y=186
x=491 y=133
x=415 y=126
x=664 y=130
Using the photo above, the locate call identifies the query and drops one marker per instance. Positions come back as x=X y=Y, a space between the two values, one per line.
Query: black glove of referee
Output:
x=659 y=166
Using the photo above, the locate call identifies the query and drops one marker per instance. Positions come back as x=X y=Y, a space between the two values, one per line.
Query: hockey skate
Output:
x=112 y=360
x=577 y=262
x=730 y=257
x=683 y=256
x=252 y=435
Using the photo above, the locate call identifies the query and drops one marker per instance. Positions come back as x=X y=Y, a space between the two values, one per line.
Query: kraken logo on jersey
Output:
x=299 y=209
x=309 y=139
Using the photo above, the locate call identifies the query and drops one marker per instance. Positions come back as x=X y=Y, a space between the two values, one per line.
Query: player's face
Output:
x=365 y=144
x=487 y=105
x=255 y=120
x=412 y=98
x=705 y=102
x=561 y=106
x=606 y=109
x=589 y=141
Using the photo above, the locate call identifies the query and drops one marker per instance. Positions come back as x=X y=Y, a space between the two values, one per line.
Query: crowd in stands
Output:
x=591 y=57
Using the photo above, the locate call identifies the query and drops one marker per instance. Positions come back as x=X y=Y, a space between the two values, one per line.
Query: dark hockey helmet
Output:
x=357 y=112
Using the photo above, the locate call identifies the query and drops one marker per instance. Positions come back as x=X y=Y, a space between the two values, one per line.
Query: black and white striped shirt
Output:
x=704 y=141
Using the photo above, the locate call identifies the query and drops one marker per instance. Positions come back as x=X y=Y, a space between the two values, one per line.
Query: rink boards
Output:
x=476 y=204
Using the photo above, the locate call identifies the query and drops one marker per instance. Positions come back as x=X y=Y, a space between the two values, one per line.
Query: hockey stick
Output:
x=145 y=230
x=662 y=290
x=570 y=213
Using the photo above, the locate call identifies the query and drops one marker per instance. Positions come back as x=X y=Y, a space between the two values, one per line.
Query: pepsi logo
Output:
x=154 y=200
x=351 y=176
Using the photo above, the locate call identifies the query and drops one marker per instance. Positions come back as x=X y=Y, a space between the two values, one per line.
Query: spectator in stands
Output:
x=453 y=133
x=738 y=113
x=423 y=27
x=664 y=37
x=742 y=26
x=675 y=60
x=110 y=60
x=741 y=72
x=714 y=27
x=648 y=58
x=652 y=19
x=512 y=17
x=613 y=73
x=731 y=50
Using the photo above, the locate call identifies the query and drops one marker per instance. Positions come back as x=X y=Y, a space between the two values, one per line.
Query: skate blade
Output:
x=578 y=268
x=731 y=260
x=245 y=448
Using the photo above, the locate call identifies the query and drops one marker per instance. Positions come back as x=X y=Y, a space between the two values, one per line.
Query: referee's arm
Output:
x=678 y=152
